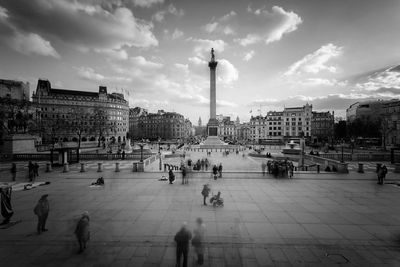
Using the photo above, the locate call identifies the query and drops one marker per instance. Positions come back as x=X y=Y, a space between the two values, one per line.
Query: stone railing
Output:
x=357 y=156
x=341 y=167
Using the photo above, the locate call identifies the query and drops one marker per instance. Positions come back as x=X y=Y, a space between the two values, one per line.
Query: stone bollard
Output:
x=165 y=167
x=140 y=167
x=134 y=167
x=83 y=167
x=116 y=166
x=66 y=167
x=48 y=167
x=396 y=168
x=99 y=167
x=360 y=167
x=318 y=168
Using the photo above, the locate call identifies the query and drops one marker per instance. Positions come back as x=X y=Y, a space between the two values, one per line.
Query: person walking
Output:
x=13 y=171
x=171 y=177
x=382 y=174
x=263 y=167
x=198 y=240
x=184 y=174
x=30 y=171
x=205 y=192
x=215 y=172
x=182 y=238
x=206 y=163
x=220 y=170
x=82 y=231
x=36 y=170
x=41 y=210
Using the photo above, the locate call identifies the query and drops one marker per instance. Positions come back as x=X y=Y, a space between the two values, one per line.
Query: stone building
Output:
x=322 y=126
x=297 y=122
x=67 y=115
x=16 y=90
x=164 y=125
x=226 y=129
x=391 y=123
x=134 y=115
x=367 y=110
x=16 y=112
x=258 y=128
x=275 y=128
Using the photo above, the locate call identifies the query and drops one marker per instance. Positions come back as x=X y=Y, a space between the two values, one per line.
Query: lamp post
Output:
x=141 y=150
x=342 y=150
x=159 y=152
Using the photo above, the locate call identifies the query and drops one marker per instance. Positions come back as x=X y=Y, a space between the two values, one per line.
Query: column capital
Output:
x=213 y=64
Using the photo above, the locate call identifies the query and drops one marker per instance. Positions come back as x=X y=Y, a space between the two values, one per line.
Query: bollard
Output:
x=66 y=167
x=134 y=167
x=318 y=168
x=360 y=167
x=83 y=167
x=99 y=167
x=48 y=167
x=396 y=168
x=165 y=167
x=116 y=166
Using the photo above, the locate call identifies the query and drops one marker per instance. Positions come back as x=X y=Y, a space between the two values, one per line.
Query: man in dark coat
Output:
x=215 y=172
x=184 y=180
x=182 y=239
x=220 y=170
x=42 y=209
x=82 y=231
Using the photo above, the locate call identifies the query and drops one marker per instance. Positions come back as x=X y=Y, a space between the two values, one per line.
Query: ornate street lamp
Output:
x=159 y=152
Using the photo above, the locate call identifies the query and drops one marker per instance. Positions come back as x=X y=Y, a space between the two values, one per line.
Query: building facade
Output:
x=16 y=90
x=391 y=123
x=297 y=122
x=322 y=126
x=71 y=115
x=134 y=116
x=164 y=125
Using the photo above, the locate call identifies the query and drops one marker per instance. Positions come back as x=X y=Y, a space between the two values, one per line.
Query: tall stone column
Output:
x=212 y=126
x=213 y=95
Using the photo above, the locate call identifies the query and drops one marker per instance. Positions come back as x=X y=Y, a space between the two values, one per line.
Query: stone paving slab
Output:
x=265 y=221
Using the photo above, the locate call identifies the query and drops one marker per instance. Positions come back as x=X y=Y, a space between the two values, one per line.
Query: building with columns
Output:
x=67 y=115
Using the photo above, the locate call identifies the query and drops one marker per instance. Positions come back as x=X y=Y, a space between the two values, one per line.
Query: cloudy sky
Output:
x=271 y=53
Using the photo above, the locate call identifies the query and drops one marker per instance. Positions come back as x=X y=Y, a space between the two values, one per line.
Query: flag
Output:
x=251 y=111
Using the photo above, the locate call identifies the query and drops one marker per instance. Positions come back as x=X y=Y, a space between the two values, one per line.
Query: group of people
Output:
x=277 y=168
x=42 y=209
x=183 y=238
x=217 y=171
x=201 y=165
x=33 y=171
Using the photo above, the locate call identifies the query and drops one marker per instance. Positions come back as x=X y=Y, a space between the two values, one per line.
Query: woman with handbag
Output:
x=198 y=241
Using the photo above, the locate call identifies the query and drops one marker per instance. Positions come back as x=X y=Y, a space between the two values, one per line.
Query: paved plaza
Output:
x=312 y=220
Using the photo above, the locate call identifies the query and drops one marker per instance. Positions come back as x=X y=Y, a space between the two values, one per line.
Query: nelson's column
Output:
x=212 y=125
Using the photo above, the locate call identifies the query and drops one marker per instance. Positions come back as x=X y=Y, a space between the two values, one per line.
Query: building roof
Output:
x=72 y=92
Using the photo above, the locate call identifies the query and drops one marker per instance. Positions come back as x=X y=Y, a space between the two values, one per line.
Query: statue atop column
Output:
x=212 y=54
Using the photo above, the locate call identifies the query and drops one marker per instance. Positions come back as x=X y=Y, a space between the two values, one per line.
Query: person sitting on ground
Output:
x=99 y=181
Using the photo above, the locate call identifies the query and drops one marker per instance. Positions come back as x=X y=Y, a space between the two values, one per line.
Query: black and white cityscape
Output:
x=199 y=133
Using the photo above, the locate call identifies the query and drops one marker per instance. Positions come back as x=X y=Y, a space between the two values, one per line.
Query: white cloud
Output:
x=32 y=43
x=147 y=3
x=248 y=40
x=114 y=53
x=248 y=55
x=316 y=61
x=88 y=73
x=389 y=79
x=220 y=25
x=94 y=27
x=197 y=61
x=144 y=63
x=287 y=24
x=227 y=73
x=211 y=27
x=203 y=46
x=176 y=34
x=275 y=25
x=171 y=9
